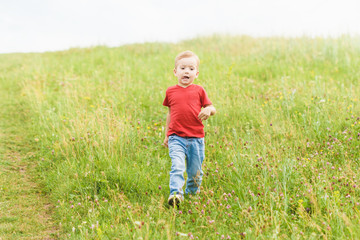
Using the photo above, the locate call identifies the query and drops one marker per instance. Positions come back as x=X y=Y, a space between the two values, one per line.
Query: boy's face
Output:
x=186 y=71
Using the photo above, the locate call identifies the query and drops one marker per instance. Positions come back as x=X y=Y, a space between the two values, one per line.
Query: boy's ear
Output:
x=174 y=71
x=197 y=74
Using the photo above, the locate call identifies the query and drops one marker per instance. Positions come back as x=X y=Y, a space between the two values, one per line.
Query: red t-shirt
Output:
x=185 y=105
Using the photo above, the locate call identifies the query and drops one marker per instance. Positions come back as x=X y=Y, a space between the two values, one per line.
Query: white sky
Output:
x=48 y=25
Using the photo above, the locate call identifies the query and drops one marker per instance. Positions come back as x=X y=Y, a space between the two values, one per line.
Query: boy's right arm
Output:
x=166 y=140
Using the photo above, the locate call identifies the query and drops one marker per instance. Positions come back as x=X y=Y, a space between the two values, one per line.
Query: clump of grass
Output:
x=281 y=154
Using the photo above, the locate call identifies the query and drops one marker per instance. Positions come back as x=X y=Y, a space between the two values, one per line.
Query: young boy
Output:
x=188 y=105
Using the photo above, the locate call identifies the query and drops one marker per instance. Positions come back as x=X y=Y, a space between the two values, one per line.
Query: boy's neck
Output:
x=184 y=86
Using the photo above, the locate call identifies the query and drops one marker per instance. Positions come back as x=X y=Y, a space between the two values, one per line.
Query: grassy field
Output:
x=25 y=212
x=282 y=152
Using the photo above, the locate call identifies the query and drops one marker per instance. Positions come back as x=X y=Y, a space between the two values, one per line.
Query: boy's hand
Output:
x=204 y=114
x=166 y=140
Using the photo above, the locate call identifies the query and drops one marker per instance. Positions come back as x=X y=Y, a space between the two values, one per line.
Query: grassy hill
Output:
x=282 y=153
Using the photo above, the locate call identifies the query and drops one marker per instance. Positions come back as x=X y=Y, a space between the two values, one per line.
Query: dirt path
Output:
x=25 y=212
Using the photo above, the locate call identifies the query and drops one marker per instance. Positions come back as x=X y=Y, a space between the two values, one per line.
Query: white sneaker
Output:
x=175 y=200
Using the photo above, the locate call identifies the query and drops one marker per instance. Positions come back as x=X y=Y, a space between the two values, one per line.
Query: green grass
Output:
x=282 y=152
x=24 y=209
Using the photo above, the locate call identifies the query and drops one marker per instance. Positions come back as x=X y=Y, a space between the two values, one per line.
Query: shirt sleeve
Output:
x=204 y=98
x=166 y=100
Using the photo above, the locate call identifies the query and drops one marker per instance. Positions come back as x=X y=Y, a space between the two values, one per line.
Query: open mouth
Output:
x=186 y=77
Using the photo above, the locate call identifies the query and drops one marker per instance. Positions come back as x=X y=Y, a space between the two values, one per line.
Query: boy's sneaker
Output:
x=175 y=200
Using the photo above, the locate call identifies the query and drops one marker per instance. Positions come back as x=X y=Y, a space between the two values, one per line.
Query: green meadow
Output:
x=282 y=152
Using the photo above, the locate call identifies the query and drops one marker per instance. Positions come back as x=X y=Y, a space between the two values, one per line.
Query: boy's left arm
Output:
x=206 y=112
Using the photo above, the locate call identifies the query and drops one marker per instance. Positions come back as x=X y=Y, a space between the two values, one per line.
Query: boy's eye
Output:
x=191 y=69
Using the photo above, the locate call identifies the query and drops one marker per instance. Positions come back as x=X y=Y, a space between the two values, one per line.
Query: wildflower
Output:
x=228 y=206
x=72 y=206
x=222 y=237
x=211 y=221
x=180 y=212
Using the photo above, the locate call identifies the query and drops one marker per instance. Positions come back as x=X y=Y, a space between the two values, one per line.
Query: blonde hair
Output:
x=187 y=54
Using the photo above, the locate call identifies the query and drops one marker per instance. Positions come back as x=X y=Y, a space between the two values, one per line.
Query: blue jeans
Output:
x=186 y=154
